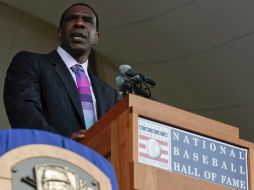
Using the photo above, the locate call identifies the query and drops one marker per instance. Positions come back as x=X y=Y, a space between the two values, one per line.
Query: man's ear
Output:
x=97 y=38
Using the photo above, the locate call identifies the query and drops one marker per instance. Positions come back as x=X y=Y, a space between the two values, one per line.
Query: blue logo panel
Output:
x=207 y=159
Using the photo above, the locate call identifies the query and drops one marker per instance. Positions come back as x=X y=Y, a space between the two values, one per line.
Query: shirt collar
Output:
x=69 y=60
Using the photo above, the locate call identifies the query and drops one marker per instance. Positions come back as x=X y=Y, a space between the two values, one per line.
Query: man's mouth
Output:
x=77 y=36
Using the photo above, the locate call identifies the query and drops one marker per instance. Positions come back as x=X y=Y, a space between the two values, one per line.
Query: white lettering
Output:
x=183 y=170
x=228 y=181
x=235 y=182
x=196 y=140
x=210 y=175
x=176 y=166
x=186 y=140
x=224 y=165
x=176 y=151
x=233 y=169
x=212 y=147
x=195 y=156
x=241 y=157
x=204 y=144
x=214 y=162
x=186 y=155
x=214 y=175
x=222 y=149
x=223 y=179
x=232 y=153
x=207 y=175
x=196 y=172
x=175 y=135
x=239 y=184
x=242 y=184
x=186 y=169
x=205 y=159
x=242 y=171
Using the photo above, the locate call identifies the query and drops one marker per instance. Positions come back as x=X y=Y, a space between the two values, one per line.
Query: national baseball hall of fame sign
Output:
x=193 y=155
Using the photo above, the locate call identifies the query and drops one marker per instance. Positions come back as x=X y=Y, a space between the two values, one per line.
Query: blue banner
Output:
x=208 y=159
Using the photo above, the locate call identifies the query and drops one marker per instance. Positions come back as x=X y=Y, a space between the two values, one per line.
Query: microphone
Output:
x=123 y=82
x=130 y=81
x=128 y=71
x=149 y=81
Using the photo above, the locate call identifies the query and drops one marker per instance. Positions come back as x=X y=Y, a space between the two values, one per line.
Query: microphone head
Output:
x=123 y=82
x=124 y=68
x=136 y=78
x=119 y=81
x=127 y=71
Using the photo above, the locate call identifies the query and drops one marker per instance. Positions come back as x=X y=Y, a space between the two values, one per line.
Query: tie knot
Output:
x=76 y=68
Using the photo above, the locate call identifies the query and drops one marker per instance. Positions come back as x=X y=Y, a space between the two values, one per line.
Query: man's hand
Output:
x=78 y=135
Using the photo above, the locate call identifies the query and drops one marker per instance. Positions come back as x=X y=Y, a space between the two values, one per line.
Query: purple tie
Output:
x=85 y=95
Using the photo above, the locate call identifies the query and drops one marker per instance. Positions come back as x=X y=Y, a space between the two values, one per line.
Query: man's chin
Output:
x=79 y=50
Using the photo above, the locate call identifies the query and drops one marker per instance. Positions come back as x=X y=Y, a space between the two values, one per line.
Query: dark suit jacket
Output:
x=40 y=93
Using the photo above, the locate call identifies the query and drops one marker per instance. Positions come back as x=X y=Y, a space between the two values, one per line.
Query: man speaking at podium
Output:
x=57 y=92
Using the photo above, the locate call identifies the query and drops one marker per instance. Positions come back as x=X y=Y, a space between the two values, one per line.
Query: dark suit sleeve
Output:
x=22 y=94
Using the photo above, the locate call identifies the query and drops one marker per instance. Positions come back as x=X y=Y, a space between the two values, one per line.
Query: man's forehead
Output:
x=80 y=9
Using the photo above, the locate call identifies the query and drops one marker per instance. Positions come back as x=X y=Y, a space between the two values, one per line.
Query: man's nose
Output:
x=79 y=22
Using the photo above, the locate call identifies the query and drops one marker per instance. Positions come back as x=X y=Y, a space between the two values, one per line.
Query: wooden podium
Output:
x=116 y=137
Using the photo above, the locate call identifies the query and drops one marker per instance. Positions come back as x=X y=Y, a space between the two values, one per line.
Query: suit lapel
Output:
x=98 y=89
x=67 y=79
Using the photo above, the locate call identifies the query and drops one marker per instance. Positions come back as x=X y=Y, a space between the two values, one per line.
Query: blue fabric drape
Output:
x=13 y=138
